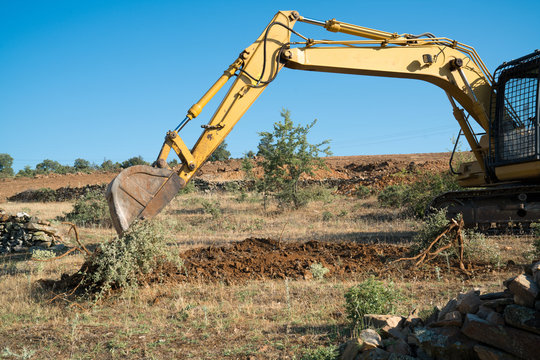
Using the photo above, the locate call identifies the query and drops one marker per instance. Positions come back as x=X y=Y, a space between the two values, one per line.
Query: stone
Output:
x=352 y=349
x=444 y=343
x=498 y=304
x=449 y=307
x=468 y=303
x=495 y=318
x=489 y=353
x=399 y=346
x=370 y=338
x=524 y=289
x=514 y=341
x=413 y=320
x=452 y=318
x=433 y=316
x=495 y=295
x=37 y=227
x=535 y=269
x=384 y=322
x=523 y=318
x=374 y=354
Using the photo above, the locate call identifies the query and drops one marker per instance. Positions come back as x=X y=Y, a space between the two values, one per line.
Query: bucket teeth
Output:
x=140 y=192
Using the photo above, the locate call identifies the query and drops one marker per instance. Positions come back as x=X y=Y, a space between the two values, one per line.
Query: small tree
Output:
x=48 y=166
x=108 y=165
x=81 y=165
x=221 y=153
x=287 y=155
x=138 y=160
x=6 y=161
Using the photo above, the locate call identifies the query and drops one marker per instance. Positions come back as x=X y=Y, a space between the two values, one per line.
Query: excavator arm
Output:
x=143 y=191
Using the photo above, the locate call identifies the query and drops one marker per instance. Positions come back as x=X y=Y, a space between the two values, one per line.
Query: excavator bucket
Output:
x=140 y=192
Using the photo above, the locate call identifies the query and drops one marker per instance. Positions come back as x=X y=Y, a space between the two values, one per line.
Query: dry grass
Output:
x=262 y=319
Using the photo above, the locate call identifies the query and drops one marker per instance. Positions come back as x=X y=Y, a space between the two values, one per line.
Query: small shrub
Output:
x=362 y=192
x=416 y=196
x=188 y=189
x=317 y=193
x=90 y=209
x=370 y=297
x=393 y=195
x=321 y=353
x=212 y=207
x=536 y=242
x=123 y=262
x=38 y=254
x=318 y=270
x=232 y=187
x=327 y=216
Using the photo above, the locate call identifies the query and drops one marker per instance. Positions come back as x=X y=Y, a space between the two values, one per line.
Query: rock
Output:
x=453 y=318
x=523 y=318
x=22 y=215
x=399 y=346
x=374 y=354
x=498 y=304
x=514 y=341
x=384 y=322
x=495 y=295
x=370 y=338
x=449 y=307
x=444 y=343
x=468 y=303
x=524 y=289
x=434 y=315
x=37 y=227
x=489 y=353
x=352 y=349
x=535 y=269
x=40 y=236
x=413 y=320
x=495 y=318
x=59 y=248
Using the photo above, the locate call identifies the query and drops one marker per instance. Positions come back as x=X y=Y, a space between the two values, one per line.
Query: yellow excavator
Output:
x=505 y=178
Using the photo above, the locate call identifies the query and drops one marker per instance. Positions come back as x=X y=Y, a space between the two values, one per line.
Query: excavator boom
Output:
x=454 y=67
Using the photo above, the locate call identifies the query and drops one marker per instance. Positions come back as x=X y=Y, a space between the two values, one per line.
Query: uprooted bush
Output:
x=416 y=197
x=122 y=263
x=90 y=209
x=475 y=244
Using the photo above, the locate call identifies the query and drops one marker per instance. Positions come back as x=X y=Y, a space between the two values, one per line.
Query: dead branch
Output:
x=77 y=237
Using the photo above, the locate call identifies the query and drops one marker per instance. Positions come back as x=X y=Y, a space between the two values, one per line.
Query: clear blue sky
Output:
x=106 y=79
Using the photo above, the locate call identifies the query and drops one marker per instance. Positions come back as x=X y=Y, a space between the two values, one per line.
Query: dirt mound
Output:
x=267 y=258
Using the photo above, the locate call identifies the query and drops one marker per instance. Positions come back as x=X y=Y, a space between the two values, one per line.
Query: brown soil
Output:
x=258 y=259
x=372 y=170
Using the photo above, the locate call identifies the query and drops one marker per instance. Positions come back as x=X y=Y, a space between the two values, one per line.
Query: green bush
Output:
x=188 y=189
x=90 y=209
x=536 y=242
x=432 y=226
x=221 y=153
x=416 y=197
x=321 y=353
x=212 y=207
x=123 y=262
x=327 y=216
x=362 y=192
x=316 y=193
x=318 y=270
x=370 y=297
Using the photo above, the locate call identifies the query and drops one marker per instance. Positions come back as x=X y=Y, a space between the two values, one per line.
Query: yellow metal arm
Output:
x=454 y=67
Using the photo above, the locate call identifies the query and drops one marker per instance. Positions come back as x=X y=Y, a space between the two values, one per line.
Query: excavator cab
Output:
x=515 y=115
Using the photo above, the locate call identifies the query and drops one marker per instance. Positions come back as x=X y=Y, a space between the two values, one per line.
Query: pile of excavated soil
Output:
x=257 y=259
